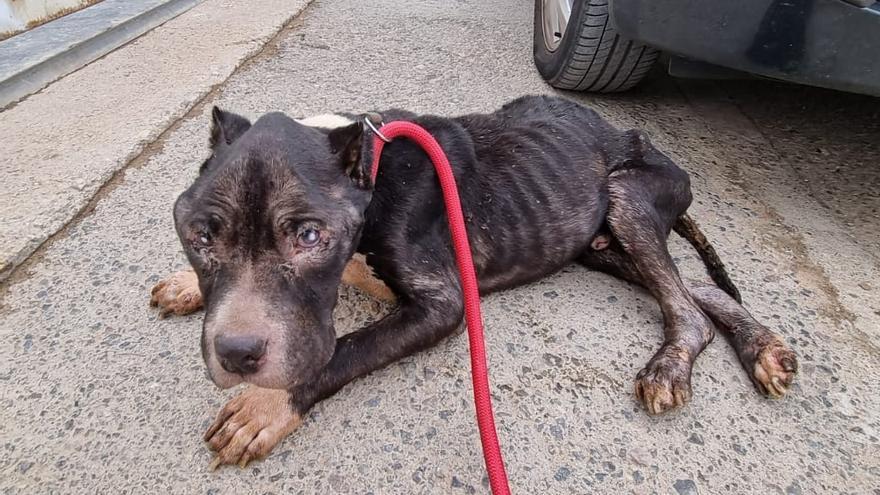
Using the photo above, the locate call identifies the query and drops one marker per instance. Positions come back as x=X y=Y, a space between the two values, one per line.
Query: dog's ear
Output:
x=347 y=143
x=226 y=127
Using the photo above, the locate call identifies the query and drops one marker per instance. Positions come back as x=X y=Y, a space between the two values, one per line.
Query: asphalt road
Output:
x=97 y=395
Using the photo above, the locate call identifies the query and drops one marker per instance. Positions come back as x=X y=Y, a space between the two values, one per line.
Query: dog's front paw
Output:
x=665 y=382
x=178 y=294
x=250 y=426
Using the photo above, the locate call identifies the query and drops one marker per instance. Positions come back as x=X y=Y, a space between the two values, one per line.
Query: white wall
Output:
x=16 y=14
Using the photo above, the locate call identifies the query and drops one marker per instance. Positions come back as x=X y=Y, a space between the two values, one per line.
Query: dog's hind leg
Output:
x=640 y=228
x=770 y=364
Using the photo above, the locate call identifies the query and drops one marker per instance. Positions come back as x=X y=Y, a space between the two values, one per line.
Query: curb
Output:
x=32 y=78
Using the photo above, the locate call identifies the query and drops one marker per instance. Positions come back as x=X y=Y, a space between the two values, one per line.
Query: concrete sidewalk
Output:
x=99 y=396
x=33 y=59
x=63 y=143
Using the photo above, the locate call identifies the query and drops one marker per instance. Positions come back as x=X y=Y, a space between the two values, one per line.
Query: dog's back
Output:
x=532 y=180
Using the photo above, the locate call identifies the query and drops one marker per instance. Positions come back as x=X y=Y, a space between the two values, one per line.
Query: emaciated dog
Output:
x=281 y=207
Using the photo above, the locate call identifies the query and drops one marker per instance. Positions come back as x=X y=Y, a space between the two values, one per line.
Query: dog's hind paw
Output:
x=250 y=426
x=775 y=368
x=178 y=294
x=665 y=382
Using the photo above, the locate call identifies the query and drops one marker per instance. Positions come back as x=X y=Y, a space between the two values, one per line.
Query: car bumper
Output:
x=826 y=43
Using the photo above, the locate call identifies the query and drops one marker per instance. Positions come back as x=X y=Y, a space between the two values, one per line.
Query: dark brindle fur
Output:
x=280 y=208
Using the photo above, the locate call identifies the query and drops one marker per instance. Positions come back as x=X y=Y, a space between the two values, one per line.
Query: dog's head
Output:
x=269 y=225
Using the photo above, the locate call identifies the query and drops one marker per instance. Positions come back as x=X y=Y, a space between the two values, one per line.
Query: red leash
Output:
x=473 y=317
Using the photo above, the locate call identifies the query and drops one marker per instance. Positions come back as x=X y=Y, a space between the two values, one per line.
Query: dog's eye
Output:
x=203 y=238
x=308 y=237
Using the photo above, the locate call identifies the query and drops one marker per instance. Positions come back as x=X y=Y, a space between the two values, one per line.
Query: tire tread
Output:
x=601 y=60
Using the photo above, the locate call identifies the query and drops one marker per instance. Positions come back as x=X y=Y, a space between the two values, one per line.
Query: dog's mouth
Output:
x=274 y=370
x=264 y=377
x=244 y=342
x=225 y=380
x=268 y=369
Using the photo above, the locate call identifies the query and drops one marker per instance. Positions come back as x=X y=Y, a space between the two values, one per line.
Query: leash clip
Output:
x=369 y=122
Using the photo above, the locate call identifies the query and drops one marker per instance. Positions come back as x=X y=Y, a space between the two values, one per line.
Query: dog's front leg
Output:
x=414 y=326
x=177 y=294
x=251 y=425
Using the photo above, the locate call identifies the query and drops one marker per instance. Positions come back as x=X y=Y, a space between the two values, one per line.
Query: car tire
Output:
x=589 y=55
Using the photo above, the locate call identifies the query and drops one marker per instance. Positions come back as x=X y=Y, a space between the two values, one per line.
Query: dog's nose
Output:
x=239 y=353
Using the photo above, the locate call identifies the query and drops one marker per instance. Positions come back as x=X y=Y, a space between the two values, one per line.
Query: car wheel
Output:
x=577 y=47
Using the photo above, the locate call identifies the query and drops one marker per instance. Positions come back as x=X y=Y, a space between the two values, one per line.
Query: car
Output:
x=611 y=45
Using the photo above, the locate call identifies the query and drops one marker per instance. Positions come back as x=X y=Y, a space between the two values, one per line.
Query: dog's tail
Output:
x=688 y=229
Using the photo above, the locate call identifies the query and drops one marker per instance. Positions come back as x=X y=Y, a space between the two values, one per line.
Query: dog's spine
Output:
x=688 y=229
